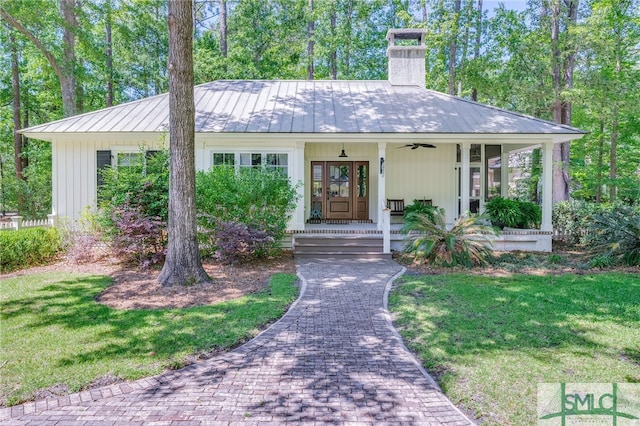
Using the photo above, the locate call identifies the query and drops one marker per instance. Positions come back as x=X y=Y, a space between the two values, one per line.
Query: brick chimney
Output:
x=406 y=52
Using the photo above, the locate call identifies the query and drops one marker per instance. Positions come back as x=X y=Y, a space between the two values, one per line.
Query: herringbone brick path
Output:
x=333 y=359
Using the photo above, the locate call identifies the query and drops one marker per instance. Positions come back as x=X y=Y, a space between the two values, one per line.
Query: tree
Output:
x=19 y=142
x=453 y=44
x=223 y=27
x=476 y=46
x=63 y=65
x=310 y=41
x=563 y=19
x=183 y=265
x=607 y=102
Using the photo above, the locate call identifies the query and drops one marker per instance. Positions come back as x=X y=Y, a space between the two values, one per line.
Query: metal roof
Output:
x=312 y=106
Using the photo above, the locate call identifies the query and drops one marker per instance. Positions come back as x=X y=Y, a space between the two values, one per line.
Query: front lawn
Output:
x=54 y=336
x=489 y=341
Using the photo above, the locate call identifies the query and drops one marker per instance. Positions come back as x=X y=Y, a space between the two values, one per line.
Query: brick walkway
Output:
x=333 y=359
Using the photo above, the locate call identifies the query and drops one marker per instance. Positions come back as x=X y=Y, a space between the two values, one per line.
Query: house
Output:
x=354 y=144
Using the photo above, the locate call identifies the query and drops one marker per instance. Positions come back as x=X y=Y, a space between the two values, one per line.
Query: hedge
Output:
x=28 y=247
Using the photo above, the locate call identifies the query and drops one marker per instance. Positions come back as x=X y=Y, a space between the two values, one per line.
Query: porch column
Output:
x=465 y=154
x=504 y=174
x=547 y=186
x=382 y=183
x=297 y=176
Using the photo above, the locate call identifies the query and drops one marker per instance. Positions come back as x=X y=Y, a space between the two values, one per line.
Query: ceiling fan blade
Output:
x=417 y=145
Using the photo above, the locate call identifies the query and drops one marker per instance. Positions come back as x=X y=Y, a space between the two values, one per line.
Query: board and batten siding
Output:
x=74 y=176
x=423 y=173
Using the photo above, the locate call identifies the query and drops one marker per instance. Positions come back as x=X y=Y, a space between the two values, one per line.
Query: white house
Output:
x=354 y=144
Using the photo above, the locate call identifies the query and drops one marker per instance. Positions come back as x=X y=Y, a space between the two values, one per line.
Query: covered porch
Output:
x=347 y=184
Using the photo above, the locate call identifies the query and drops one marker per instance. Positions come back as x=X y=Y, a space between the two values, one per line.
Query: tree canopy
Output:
x=577 y=62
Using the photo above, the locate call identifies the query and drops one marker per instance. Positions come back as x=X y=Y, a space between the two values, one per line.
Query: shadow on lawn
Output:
x=335 y=358
x=482 y=314
x=128 y=343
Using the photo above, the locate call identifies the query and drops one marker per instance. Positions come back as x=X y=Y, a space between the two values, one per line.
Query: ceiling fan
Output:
x=418 y=145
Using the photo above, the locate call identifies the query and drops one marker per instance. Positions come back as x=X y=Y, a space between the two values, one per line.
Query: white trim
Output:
x=465 y=165
x=382 y=185
x=211 y=150
x=496 y=138
x=547 y=188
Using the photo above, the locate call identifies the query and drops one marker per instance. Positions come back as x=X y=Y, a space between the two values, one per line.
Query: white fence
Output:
x=17 y=222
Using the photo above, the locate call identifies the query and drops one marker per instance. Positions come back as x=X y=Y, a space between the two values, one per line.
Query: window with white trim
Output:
x=276 y=161
x=224 y=159
x=129 y=159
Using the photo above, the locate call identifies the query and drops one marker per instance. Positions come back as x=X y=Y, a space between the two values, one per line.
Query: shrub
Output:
x=145 y=188
x=134 y=209
x=259 y=198
x=464 y=244
x=575 y=220
x=231 y=242
x=615 y=235
x=420 y=208
x=139 y=238
x=504 y=212
x=86 y=240
x=570 y=219
x=28 y=247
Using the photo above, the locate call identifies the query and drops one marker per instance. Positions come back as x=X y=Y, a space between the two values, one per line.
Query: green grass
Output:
x=53 y=332
x=489 y=341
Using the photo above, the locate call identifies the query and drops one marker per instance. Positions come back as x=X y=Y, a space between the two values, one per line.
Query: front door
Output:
x=339 y=190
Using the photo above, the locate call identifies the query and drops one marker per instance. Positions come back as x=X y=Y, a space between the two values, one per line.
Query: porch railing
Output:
x=18 y=222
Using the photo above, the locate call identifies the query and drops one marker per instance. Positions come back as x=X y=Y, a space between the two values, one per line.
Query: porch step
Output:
x=336 y=245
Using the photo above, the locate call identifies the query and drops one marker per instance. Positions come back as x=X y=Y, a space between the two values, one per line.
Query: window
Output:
x=493 y=168
x=278 y=162
x=129 y=159
x=250 y=160
x=224 y=159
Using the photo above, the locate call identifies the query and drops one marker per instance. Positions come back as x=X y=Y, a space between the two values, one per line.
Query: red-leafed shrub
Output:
x=232 y=242
x=138 y=238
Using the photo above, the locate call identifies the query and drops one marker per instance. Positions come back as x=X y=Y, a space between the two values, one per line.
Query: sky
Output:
x=509 y=4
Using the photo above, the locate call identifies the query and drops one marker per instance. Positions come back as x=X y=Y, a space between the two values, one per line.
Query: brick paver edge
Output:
x=125 y=387
x=412 y=357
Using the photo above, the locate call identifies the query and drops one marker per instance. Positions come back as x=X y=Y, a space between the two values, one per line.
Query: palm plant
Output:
x=467 y=243
x=615 y=236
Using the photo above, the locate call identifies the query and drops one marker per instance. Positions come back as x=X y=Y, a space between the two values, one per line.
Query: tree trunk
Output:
x=109 y=56
x=68 y=83
x=562 y=71
x=613 y=154
x=310 y=25
x=613 y=172
x=347 y=48
x=17 y=114
x=64 y=71
x=223 y=27
x=476 y=48
x=183 y=265
x=453 y=43
x=333 y=57
x=599 y=165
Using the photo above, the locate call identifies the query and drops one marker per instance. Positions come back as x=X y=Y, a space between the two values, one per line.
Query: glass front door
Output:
x=340 y=197
x=339 y=190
